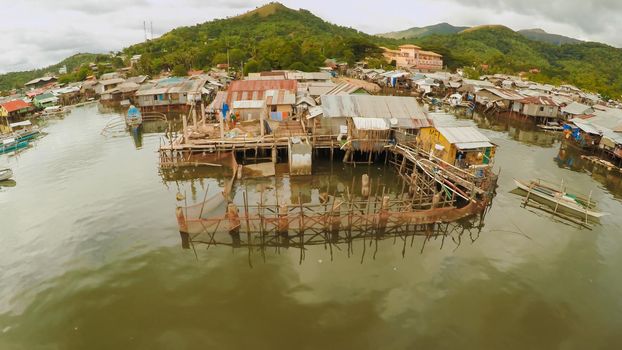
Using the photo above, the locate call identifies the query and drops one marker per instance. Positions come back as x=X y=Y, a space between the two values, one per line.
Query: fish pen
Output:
x=431 y=192
x=340 y=241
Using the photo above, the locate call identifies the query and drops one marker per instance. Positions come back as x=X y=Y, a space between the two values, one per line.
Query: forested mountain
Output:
x=555 y=39
x=592 y=66
x=446 y=29
x=419 y=32
x=271 y=37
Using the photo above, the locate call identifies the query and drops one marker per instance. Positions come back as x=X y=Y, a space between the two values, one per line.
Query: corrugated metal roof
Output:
x=111 y=81
x=370 y=123
x=280 y=97
x=247 y=104
x=155 y=91
x=37 y=80
x=315 y=111
x=478 y=83
x=219 y=100
x=255 y=89
x=367 y=106
x=539 y=100
x=586 y=126
x=576 y=108
x=473 y=145
x=505 y=94
x=462 y=134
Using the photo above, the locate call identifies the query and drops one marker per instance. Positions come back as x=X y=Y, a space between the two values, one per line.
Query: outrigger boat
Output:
x=551 y=126
x=133 y=119
x=11 y=144
x=560 y=200
x=24 y=131
x=5 y=174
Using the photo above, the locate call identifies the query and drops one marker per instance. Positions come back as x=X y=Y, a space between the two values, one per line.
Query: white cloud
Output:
x=42 y=32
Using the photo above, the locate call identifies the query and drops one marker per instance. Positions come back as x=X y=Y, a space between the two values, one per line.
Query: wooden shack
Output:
x=463 y=147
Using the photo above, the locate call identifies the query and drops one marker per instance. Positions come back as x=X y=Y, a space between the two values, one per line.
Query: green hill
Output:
x=447 y=29
x=592 y=66
x=419 y=32
x=270 y=37
x=17 y=79
x=555 y=39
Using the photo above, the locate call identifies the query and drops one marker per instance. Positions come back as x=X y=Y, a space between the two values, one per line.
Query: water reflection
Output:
x=519 y=130
x=331 y=181
x=8 y=183
x=570 y=157
x=362 y=244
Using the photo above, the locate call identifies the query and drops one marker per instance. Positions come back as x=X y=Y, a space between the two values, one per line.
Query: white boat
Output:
x=559 y=199
x=551 y=126
x=5 y=174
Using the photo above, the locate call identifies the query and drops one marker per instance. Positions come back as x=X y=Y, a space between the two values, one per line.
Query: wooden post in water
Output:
x=587 y=207
x=202 y=112
x=194 y=118
x=383 y=215
x=283 y=220
x=365 y=185
x=184 y=120
x=233 y=214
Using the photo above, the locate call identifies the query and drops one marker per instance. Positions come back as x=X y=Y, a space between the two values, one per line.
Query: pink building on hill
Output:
x=413 y=57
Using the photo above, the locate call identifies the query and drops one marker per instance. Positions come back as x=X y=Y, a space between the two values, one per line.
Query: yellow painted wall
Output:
x=3 y=112
x=429 y=137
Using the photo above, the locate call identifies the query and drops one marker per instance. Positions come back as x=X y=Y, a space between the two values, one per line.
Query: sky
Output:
x=38 y=33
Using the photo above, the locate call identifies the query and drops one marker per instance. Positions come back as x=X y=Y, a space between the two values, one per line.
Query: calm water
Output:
x=90 y=258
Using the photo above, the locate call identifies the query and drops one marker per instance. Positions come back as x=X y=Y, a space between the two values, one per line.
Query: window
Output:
x=541 y=109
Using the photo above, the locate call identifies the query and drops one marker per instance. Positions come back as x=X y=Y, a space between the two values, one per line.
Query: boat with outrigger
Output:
x=551 y=126
x=561 y=201
x=133 y=118
x=6 y=174
x=11 y=144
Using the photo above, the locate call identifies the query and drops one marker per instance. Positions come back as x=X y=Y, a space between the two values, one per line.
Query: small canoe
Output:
x=551 y=126
x=133 y=119
x=5 y=174
x=569 y=203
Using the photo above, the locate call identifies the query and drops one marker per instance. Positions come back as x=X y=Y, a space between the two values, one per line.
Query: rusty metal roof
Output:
x=255 y=89
x=505 y=94
x=367 y=106
x=539 y=100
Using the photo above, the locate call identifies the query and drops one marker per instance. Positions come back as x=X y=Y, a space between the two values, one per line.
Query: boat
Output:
x=559 y=199
x=551 y=126
x=53 y=111
x=5 y=174
x=133 y=119
x=24 y=131
x=11 y=144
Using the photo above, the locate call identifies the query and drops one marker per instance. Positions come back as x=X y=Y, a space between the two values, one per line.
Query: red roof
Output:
x=255 y=89
x=15 y=105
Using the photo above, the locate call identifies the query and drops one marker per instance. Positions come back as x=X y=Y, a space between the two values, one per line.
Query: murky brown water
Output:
x=90 y=258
